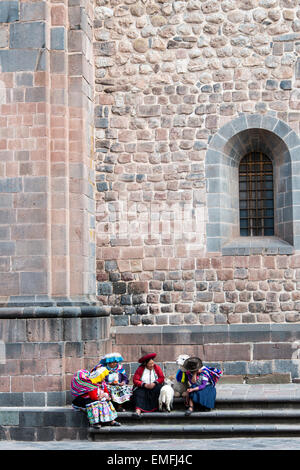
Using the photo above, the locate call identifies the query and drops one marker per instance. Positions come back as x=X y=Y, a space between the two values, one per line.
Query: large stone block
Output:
x=27 y=232
x=27 y=35
x=11 y=399
x=9 y=282
x=139 y=336
x=32 y=11
x=57 y=38
x=3 y=36
x=227 y=352
x=36 y=183
x=9 y=418
x=44 y=330
x=31 y=247
x=251 y=333
x=10 y=185
x=272 y=351
x=9 y=11
x=34 y=399
x=18 y=60
x=7 y=248
x=35 y=94
x=22 y=434
x=31 y=200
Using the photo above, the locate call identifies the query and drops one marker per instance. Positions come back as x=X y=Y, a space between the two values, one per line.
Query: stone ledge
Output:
x=257 y=379
x=268 y=378
x=256 y=246
x=33 y=307
x=226 y=333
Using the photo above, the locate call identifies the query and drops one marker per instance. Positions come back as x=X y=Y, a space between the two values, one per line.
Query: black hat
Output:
x=192 y=364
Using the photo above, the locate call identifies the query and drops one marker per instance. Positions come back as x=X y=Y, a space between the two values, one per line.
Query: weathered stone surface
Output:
x=30 y=34
x=58 y=38
x=19 y=60
x=9 y=11
x=32 y=11
x=140 y=45
x=268 y=379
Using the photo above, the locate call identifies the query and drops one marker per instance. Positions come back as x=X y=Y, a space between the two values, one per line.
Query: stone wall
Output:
x=243 y=350
x=42 y=349
x=209 y=290
x=46 y=172
x=170 y=76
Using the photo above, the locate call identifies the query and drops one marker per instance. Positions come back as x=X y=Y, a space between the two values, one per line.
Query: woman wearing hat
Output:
x=148 y=380
x=201 y=384
x=116 y=379
x=91 y=395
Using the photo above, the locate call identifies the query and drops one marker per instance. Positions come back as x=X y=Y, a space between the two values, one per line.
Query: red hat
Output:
x=147 y=357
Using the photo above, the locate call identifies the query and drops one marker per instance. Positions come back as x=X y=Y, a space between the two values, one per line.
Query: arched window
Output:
x=280 y=146
x=256 y=195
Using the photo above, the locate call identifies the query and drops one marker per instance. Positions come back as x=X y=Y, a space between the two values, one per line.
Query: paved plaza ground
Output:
x=260 y=443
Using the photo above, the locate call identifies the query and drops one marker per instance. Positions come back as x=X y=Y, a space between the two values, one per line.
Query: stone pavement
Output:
x=260 y=443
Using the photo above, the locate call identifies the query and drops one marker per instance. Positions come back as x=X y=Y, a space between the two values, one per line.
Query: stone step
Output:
x=237 y=402
x=186 y=431
x=233 y=415
x=237 y=407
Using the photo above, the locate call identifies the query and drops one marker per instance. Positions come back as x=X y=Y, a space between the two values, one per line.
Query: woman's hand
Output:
x=194 y=378
x=150 y=386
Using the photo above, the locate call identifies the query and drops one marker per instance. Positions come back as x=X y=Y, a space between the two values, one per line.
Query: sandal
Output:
x=137 y=415
x=96 y=426
x=189 y=411
x=115 y=423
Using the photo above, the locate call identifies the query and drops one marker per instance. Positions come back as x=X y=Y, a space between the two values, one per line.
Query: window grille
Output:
x=256 y=195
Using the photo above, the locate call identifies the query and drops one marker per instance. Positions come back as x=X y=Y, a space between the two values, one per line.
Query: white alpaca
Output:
x=166 y=396
x=180 y=388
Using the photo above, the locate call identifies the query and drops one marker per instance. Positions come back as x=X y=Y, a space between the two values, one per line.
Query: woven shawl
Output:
x=81 y=383
x=211 y=373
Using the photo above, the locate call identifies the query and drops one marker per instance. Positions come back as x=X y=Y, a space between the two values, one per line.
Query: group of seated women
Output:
x=103 y=391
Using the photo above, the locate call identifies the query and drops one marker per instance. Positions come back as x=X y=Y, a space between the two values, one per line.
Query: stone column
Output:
x=50 y=324
x=47 y=253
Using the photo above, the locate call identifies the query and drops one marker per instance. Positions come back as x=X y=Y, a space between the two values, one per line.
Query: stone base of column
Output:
x=41 y=347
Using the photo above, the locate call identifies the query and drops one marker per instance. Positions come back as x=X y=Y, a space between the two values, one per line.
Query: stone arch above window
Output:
x=245 y=134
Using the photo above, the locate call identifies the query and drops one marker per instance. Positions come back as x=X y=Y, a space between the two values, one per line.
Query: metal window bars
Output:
x=256 y=195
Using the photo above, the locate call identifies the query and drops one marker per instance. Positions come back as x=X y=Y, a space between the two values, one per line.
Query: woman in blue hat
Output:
x=116 y=380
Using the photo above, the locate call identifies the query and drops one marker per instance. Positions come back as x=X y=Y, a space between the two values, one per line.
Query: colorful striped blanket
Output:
x=81 y=383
